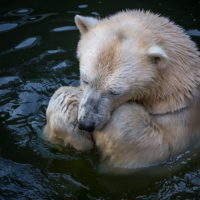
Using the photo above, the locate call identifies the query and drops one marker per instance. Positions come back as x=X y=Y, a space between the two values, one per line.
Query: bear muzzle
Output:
x=89 y=127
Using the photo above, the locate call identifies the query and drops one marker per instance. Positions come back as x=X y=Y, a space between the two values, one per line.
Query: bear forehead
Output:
x=109 y=54
x=109 y=48
x=108 y=62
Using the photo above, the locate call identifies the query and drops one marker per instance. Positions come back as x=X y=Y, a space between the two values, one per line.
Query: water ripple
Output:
x=25 y=18
x=26 y=43
x=193 y=32
x=7 y=26
x=64 y=28
x=17 y=179
x=20 y=12
x=7 y=79
x=83 y=6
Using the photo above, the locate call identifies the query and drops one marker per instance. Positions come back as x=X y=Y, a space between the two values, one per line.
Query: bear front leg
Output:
x=131 y=139
x=62 y=123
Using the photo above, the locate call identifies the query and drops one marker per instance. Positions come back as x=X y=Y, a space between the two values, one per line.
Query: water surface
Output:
x=37 y=55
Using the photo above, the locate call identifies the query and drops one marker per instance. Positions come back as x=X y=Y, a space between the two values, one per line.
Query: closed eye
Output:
x=85 y=81
x=114 y=92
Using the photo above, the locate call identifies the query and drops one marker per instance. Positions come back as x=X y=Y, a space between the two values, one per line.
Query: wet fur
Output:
x=62 y=124
x=132 y=137
x=156 y=117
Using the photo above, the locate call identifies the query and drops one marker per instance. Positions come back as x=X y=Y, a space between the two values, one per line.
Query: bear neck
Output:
x=164 y=106
x=173 y=92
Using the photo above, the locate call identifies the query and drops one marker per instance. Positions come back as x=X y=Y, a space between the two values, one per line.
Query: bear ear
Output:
x=158 y=56
x=84 y=24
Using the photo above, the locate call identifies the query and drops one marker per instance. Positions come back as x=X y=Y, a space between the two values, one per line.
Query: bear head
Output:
x=133 y=56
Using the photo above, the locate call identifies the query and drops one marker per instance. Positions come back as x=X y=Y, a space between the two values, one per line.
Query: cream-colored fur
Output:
x=140 y=77
x=62 y=121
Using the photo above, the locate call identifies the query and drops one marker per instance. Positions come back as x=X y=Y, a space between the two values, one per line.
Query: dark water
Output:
x=37 y=55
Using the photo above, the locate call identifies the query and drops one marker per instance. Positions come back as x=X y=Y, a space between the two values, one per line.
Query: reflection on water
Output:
x=60 y=65
x=4 y=91
x=32 y=18
x=20 y=12
x=37 y=18
x=83 y=6
x=194 y=32
x=55 y=51
x=73 y=12
x=25 y=18
x=26 y=43
x=6 y=80
x=94 y=13
x=65 y=28
x=37 y=56
x=7 y=26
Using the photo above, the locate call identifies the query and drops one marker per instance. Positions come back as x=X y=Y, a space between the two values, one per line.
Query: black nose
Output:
x=86 y=127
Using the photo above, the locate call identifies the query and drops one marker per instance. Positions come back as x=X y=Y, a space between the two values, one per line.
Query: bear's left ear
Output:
x=158 y=56
x=84 y=24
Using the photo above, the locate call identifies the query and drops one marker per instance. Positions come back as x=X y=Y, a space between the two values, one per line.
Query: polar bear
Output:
x=140 y=95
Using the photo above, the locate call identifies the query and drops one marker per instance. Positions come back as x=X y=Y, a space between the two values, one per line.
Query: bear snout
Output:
x=86 y=126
